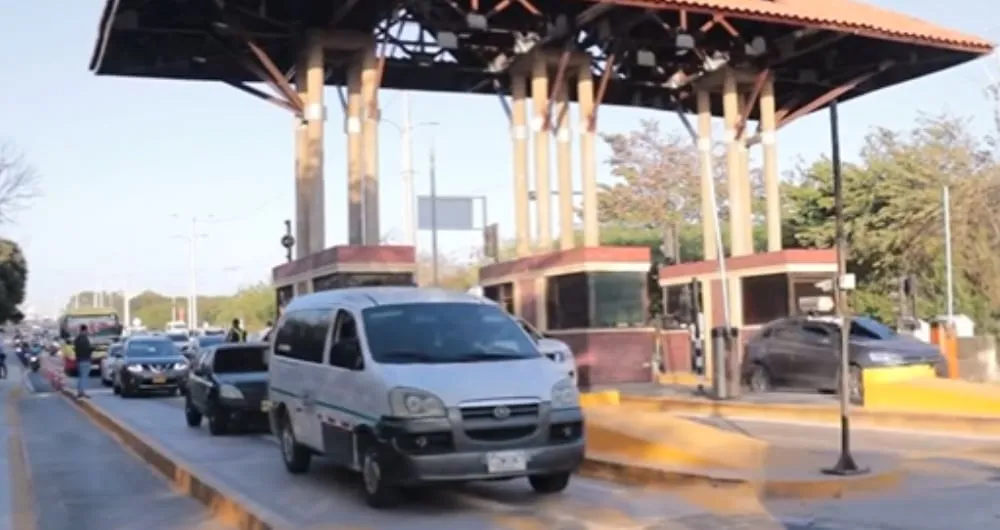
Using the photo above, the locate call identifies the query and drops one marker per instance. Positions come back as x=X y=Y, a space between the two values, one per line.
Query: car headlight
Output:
x=558 y=357
x=230 y=392
x=882 y=357
x=134 y=368
x=565 y=395
x=413 y=403
x=180 y=366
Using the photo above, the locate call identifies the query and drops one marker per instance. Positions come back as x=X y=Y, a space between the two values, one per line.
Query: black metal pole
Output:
x=845 y=463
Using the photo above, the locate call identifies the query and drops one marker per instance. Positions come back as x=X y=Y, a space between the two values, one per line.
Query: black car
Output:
x=229 y=387
x=202 y=343
x=149 y=364
x=805 y=353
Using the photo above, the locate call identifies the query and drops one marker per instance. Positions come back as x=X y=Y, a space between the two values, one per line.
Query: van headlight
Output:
x=230 y=392
x=565 y=395
x=413 y=403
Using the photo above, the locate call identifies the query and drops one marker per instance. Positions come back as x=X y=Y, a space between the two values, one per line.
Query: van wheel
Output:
x=548 y=484
x=191 y=414
x=295 y=456
x=378 y=494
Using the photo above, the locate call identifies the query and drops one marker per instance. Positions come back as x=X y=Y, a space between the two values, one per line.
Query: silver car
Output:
x=109 y=364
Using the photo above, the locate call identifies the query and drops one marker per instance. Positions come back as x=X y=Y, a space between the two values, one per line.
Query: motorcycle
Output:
x=34 y=363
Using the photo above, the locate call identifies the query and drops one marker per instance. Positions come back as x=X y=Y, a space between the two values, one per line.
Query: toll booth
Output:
x=344 y=266
x=762 y=287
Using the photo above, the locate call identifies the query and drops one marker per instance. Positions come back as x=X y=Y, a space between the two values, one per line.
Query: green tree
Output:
x=13 y=280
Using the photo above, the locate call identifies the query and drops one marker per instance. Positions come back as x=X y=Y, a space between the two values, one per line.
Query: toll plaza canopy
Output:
x=647 y=52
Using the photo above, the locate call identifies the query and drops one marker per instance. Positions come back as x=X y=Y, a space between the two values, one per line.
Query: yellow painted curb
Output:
x=600 y=399
x=934 y=395
x=680 y=379
x=662 y=439
x=862 y=417
x=228 y=507
x=624 y=472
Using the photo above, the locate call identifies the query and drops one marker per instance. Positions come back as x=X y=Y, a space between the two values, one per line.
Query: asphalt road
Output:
x=63 y=472
x=940 y=493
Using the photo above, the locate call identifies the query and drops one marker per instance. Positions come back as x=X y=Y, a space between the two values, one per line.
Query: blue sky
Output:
x=125 y=162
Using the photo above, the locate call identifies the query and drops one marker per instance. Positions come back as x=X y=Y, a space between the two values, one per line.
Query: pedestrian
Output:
x=236 y=332
x=84 y=350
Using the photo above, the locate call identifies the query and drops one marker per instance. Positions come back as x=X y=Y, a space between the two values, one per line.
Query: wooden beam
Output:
x=751 y=102
x=559 y=80
x=262 y=95
x=829 y=96
x=341 y=12
x=602 y=90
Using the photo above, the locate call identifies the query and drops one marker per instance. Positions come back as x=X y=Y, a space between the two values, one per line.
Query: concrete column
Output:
x=708 y=213
x=746 y=190
x=311 y=236
x=730 y=106
x=519 y=135
x=543 y=185
x=588 y=160
x=772 y=191
x=355 y=152
x=372 y=233
x=564 y=167
x=301 y=184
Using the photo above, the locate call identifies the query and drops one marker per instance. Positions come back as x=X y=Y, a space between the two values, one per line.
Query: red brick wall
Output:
x=606 y=357
x=677 y=351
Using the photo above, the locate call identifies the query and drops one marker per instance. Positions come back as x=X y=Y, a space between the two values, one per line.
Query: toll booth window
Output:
x=502 y=294
x=765 y=298
x=567 y=301
x=619 y=299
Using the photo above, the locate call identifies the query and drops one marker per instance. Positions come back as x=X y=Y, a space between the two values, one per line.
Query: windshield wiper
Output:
x=487 y=356
x=408 y=356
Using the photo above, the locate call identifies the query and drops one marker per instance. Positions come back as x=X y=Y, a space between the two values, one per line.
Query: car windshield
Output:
x=444 y=333
x=210 y=340
x=869 y=328
x=151 y=348
x=240 y=360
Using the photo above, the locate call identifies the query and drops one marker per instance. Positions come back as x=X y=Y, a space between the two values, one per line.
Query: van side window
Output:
x=302 y=335
x=345 y=348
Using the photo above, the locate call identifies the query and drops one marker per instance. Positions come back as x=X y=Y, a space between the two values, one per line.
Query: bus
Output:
x=104 y=328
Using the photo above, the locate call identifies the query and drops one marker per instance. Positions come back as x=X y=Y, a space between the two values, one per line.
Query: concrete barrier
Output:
x=936 y=396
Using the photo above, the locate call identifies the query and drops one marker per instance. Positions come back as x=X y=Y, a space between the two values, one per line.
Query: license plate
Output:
x=506 y=461
x=159 y=379
x=265 y=406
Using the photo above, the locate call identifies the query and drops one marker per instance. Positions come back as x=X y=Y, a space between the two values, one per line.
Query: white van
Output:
x=409 y=385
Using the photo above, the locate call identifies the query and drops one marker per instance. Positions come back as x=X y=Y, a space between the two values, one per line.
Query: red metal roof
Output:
x=848 y=16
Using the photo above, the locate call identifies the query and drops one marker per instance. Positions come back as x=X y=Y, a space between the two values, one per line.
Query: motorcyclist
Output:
x=3 y=359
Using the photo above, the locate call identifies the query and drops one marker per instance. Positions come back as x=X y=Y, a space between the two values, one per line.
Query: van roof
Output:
x=364 y=297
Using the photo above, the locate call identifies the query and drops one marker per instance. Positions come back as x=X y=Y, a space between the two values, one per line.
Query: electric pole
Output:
x=192 y=299
x=406 y=167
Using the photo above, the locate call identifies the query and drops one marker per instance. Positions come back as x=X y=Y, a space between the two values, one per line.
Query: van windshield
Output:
x=444 y=333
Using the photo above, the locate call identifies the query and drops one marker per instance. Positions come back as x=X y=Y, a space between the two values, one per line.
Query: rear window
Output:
x=240 y=360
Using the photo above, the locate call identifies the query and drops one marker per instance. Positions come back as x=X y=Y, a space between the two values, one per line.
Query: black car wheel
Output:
x=191 y=414
x=760 y=380
x=218 y=421
x=548 y=484
x=378 y=494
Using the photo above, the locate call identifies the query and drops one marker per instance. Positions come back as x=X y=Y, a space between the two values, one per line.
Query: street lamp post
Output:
x=406 y=167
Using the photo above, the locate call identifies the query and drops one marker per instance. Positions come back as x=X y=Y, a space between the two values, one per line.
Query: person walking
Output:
x=84 y=352
x=236 y=332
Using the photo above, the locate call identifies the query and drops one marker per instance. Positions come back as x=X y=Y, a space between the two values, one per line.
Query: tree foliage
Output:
x=18 y=182
x=254 y=304
x=892 y=202
x=13 y=280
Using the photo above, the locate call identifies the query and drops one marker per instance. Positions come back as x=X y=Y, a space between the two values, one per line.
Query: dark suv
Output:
x=228 y=385
x=805 y=353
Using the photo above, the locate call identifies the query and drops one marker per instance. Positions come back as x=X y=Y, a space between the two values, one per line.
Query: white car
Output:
x=556 y=350
x=410 y=386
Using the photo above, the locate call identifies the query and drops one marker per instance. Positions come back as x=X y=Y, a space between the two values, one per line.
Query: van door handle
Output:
x=308 y=400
